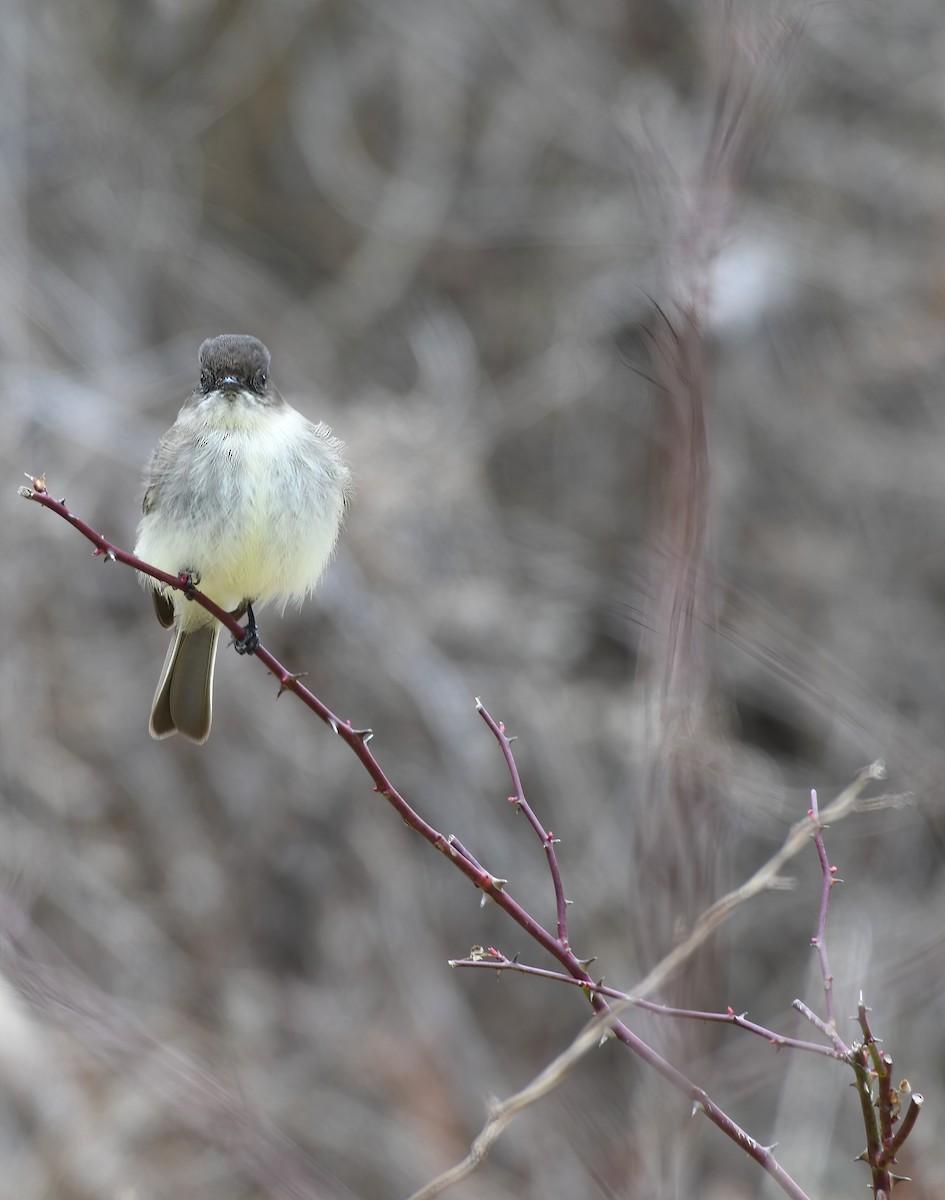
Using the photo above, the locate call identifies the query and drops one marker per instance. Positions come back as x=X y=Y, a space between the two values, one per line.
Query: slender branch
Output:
x=730 y=1017
x=494 y=960
x=108 y=552
x=819 y=1023
x=357 y=741
x=546 y=837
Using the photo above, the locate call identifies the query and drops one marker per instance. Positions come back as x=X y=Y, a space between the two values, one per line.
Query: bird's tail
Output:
x=183 y=702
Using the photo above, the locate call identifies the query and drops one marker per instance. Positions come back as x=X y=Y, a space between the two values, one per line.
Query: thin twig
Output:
x=492 y=959
x=819 y=1023
x=545 y=836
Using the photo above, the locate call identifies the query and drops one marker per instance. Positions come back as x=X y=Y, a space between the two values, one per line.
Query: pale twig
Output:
x=819 y=1023
x=507 y=1110
x=766 y=878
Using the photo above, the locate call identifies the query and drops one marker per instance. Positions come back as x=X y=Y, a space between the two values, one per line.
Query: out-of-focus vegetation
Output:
x=450 y=220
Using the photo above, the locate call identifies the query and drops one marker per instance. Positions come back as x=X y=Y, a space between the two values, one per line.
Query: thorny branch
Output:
x=557 y=945
x=492 y=959
x=546 y=837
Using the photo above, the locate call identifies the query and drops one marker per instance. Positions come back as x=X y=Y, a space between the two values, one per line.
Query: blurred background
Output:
x=631 y=316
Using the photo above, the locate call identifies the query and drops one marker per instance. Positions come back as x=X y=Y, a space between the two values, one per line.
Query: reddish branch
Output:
x=494 y=960
x=546 y=837
x=558 y=944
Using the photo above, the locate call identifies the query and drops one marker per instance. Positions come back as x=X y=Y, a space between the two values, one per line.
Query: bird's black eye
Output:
x=206 y=379
x=259 y=381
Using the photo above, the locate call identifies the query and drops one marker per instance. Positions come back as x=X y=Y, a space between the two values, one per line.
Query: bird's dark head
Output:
x=234 y=362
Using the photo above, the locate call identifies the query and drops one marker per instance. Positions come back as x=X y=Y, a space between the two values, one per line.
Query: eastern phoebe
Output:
x=246 y=497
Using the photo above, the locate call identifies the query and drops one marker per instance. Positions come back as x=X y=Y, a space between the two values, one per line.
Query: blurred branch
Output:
x=743 y=99
x=490 y=885
x=506 y=1111
x=182 y=1086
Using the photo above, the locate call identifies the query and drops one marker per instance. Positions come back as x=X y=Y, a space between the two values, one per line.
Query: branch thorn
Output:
x=285 y=684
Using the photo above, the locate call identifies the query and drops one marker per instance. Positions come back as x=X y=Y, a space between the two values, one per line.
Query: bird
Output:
x=244 y=498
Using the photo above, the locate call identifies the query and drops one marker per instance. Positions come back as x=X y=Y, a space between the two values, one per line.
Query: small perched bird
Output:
x=244 y=496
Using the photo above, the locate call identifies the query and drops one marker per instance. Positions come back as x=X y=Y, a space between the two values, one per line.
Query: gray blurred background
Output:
x=452 y=221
